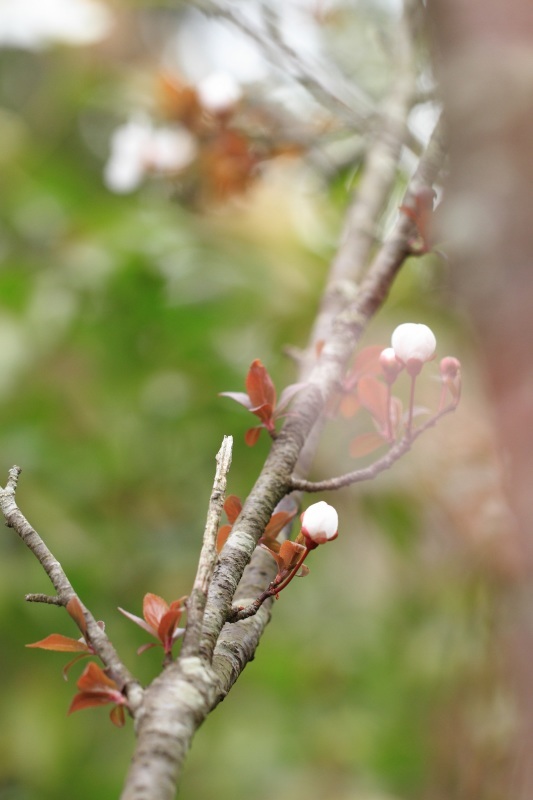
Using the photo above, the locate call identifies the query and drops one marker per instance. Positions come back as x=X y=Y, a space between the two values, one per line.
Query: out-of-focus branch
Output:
x=368 y=473
x=328 y=86
x=65 y=592
x=208 y=556
x=360 y=232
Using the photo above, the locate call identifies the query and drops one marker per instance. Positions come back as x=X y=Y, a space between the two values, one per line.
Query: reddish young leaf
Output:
x=252 y=435
x=232 y=507
x=366 y=362
x=264 y=412
x=154 y=607
x=93 y=679
x=81 y=701
x=63 y=644
x=373 y=395
x=259 y=386
x=117 y=716
x=365 y=444
x=97 y=689
x=275 y=555
x=222 y=536
x=76 y=612
x=289 y=553
x=287 y=556
x=270 y=544
x=349 y=405
x=160 y=619
x=277 y=522
x=144 y=647
x=168 y=624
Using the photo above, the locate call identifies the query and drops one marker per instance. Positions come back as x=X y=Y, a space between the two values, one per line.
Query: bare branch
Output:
x=44 y=598
x=361 y=226
x=65 y=592
x=208 y=556
x=326 y=84
x=368 y=473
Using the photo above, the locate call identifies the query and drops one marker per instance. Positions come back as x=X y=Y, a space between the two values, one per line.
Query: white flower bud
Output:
x=320 y=523
x=390 y=364
x=413 y=344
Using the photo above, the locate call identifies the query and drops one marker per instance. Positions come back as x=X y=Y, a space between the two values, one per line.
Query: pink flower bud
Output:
x=390 y=364
x=413 y=344
x=450 y=367
x=320 y=523
x=450 y=371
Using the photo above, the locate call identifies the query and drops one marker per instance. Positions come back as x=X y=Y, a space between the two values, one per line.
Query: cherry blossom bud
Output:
x=320 y=523
x=450 y=370
x=413 y=344
x=450 y=367
x=390 y=364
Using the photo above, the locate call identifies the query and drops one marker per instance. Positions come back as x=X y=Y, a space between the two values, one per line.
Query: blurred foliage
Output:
x=121 y=318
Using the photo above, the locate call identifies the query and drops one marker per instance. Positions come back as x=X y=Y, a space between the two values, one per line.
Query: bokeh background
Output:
x=132 y=292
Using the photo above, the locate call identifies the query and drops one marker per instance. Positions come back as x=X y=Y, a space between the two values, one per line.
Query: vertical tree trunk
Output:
x=483 y=51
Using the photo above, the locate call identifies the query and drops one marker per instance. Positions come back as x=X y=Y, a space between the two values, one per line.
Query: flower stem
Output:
x=271 y=591
x=389 y=412
x=411 y=406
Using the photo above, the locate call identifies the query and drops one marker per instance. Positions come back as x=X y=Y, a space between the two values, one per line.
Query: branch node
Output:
x=12 y=481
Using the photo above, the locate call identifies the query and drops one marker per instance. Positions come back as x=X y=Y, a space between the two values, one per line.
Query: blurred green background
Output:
x=121 y=318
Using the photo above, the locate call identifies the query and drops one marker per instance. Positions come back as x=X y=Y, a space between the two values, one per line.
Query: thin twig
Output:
x=368 y=473
x=326 y=84
x=208 y=555
x=44 y=598
x=65 y=592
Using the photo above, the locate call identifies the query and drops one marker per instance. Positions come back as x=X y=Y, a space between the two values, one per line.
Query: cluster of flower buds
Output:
x=413 y=345
x=369 y=384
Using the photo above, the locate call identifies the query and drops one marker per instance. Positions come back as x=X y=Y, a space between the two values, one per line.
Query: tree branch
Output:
x=65 y=592
x=208 y=556
x=326 y=84
x=368 y=473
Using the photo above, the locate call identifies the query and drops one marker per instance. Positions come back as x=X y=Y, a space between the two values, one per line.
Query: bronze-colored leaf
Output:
x=365 y=444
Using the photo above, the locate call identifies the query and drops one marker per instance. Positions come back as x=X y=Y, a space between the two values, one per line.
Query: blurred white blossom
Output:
x=138 y=148
x=219 y=92
x=34 y=24
x=224 y=49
